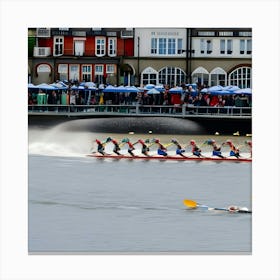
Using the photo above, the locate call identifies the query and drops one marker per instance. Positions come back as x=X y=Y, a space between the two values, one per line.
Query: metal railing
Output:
x=141 y=110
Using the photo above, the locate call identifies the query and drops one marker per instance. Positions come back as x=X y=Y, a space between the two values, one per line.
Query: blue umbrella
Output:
x=149 y=86
x=221 y=92
x=45 y=86
x=110 y=88
x=153 y=91
x=132 y=89
x=31 y=86
x=176 y=90
x=247 y=91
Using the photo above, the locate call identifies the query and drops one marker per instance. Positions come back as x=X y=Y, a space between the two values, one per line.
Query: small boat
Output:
x=191 y=204
x=170 y=157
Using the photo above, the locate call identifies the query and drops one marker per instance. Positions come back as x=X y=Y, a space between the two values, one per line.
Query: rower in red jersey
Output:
x=130 y=146
x=249 y=143
x=195 y=149
x=145 y=149
x=162 y=151
x=234 y=151
x=116 y=145
x=100 y=147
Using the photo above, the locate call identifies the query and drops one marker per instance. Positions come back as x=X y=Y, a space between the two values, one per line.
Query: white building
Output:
x=208 y=56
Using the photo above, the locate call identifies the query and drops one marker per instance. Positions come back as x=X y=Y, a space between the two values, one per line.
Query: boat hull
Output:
x=171 y=158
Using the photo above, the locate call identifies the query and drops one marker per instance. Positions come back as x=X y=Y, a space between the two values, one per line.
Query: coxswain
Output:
x=145 y=149
x=216 y=149
x=249 y=143
x=130 y=146
x=161 y=149
x=195 y=149
x=237 y=209
x=233 y=150
x=100 y=147
x=179 y=149
x=116 y=145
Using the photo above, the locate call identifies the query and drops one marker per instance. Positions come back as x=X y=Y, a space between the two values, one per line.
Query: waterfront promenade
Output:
x=190 y=112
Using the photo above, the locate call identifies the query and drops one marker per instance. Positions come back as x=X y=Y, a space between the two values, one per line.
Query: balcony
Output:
x=41 y=52
x=43 y=32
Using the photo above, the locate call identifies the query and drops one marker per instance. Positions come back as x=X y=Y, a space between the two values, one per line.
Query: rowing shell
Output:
x=174 y=158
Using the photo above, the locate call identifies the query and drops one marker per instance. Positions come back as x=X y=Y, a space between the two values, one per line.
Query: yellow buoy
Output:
x=236 y=133
x=217 y=133
x=131 y=132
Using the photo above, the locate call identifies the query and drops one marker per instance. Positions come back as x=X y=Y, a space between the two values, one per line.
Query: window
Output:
x=242 y=46
x=218 y=76
x=99 y=69
x=222 y=46
x=58 y=46
x=200 y=76
x=154 y=46
x=110 y=69
x=206 y=33
x=249 y=46
x=79 y=47
x=74 y=72
x=225 y=33
x=149 y=76
x=86 y=73
x=171 y=46
x=162 y=46
x=225 y=46
x=63 y=71
x=172 y=76
x=180 y=46
x=229 y=46
x=245 y=46
x=166 y=46
x=205 y=46
x=209 y=46
x=99 y=46
x=112 y=47
x=241 y=77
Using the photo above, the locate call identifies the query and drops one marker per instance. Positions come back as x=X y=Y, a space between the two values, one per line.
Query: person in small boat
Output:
x=249 y=144
x=216 y=149
x=145 y=149
x=130 y=146
x=116 y=145
x=179 y=149
x=162 y=151
x=100 y=147
x=236 y=209
x=234 y=151
x=195 y=149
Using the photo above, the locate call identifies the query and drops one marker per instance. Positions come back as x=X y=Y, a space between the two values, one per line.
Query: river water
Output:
x=79 y=204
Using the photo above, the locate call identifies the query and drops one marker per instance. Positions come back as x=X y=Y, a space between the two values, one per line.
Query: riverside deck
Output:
x=191 y=112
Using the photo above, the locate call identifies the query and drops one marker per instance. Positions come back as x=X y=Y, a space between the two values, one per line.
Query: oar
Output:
x=193 y=204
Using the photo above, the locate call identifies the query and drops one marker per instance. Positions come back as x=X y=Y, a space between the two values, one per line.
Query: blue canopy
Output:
x=45 y=86
x=176 y=90
x=247 y=91
x=153 y=91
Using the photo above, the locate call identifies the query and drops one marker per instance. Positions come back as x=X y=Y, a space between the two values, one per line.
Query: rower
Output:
x=116 y=145
x=216 y=149
x=100 y=147
x=249 y=143
x=233 y=150
x=237 y=209
x=130 y=146
x=161 y=149
x=179 y=149
x=145 y=149
x=195 y=149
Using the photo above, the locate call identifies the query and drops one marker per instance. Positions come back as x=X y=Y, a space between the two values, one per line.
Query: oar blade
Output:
x=190 y=203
